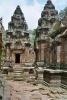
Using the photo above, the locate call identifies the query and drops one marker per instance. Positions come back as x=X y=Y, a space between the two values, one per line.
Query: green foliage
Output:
x=32 y=36
x=62 y=13
x=56 y=27
x=3 y=33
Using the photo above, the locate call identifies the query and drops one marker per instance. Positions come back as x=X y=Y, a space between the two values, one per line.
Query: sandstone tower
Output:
x=17 y=47
x=45 y=23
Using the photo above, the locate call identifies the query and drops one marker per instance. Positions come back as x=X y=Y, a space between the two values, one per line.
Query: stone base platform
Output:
x=39 y=75
x=52 y=77
x=64 y=79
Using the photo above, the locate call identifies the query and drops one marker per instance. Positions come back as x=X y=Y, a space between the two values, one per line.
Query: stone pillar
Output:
x=64 y=64
x=21 y=58
x=0 y=59
x=10 y=55
x=39 y=52
x=0 y=47
x=65 y=49
x=63 y=52
x=54 y=54
x=13 y=57
x=50 y=57
x=27 y=54
x=7 y=53
x=42 y=52
x=37 y=56
x=44 y=55
x=59 y=55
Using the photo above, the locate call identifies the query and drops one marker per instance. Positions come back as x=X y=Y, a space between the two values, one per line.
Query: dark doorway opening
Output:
x=0 y=97
x=31 y=71
x=5 y=71
x=17 y=58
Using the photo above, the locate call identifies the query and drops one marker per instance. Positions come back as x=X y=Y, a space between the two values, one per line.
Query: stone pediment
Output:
x=18 y=44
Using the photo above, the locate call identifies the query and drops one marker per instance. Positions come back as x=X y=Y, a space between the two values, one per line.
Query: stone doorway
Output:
x=17 y=58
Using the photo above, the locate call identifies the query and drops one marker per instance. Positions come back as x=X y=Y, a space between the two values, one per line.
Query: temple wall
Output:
x=50 y=56
x=59 y=54
x=7 y=53
x=66 y=52
x=42 y=51
x=27 y=54
x=39 y=53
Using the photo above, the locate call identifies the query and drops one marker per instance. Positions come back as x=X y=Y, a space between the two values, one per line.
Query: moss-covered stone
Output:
x=55 y=27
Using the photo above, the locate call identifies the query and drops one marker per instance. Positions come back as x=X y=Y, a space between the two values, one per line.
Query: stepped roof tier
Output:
x=48 y=17
x=18 y=21
x=49 y=5
x=17 y=27
x=17 y=30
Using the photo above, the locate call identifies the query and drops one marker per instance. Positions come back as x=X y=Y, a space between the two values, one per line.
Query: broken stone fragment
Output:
x=35 y=97
x=51 y=95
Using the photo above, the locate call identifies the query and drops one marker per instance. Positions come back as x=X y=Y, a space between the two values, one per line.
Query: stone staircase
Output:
x=18 y=73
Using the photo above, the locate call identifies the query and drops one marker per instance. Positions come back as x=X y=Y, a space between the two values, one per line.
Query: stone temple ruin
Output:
x=46 y=62
x=19 y=54
x=43 y=41
x=51 y=47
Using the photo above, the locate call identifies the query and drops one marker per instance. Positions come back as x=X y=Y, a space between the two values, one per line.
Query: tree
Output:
x=32 y=36
x=62 y=13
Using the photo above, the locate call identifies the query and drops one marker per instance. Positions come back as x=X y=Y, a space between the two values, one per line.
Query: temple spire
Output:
x=48 y=0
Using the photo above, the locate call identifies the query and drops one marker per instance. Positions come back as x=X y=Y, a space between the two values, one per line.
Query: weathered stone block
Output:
x=52 y=77
x=64 y=79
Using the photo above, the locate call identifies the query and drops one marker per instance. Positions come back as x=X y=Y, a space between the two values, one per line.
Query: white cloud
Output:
x=31 y=12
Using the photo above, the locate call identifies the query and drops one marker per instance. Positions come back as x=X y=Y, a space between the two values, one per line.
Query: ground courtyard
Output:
x=31 y=90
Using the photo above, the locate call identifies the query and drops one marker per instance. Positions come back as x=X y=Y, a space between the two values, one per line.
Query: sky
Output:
x=31 y=8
